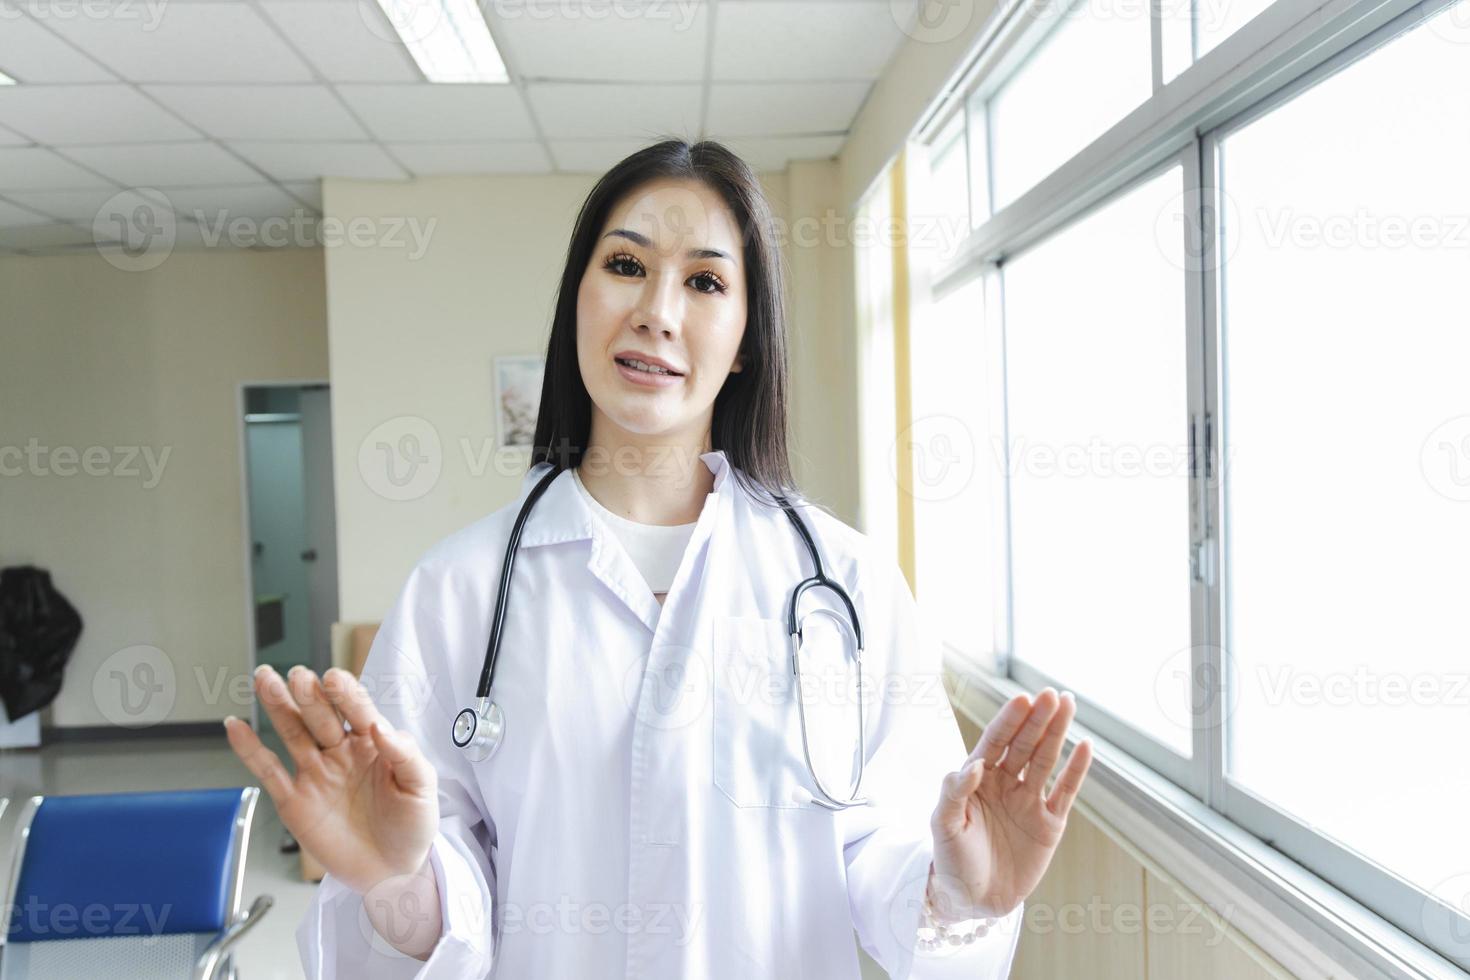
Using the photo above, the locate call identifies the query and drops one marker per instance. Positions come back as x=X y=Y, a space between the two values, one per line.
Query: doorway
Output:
x=291 y=526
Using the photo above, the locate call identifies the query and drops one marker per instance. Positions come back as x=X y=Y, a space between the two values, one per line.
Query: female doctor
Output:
x=669 y=799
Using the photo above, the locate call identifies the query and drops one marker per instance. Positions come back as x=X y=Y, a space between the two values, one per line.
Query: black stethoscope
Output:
x=481 y=729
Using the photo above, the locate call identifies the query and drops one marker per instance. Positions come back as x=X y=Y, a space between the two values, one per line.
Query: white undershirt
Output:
x=656 y=549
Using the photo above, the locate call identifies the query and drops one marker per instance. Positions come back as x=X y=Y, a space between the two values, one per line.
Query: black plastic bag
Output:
x=38 y=631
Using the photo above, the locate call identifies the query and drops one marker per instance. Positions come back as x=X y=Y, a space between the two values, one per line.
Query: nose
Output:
x=661 y=306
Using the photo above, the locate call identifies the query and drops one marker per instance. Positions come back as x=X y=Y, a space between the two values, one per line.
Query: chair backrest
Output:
x=124 y=885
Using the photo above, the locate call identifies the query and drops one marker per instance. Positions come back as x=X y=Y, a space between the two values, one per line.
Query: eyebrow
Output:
x=643 y=240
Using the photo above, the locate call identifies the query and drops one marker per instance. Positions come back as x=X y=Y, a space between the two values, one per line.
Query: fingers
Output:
x=350 y=699
x=1070 y=779
x=285 y=715
x=411 y=770
x=955 y=791
x=261 y=761
x=1001 y=729
x=1049 y=749
x=1024 y=744
x=317 y=713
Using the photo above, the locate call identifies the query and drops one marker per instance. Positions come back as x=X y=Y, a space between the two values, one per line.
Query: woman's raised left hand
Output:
x=994 y=829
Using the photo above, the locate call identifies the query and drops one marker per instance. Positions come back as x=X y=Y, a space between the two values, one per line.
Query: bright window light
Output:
x=447 y=38
x=6 y=79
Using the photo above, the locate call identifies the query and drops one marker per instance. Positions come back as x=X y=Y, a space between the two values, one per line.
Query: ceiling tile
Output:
x=307 y=161
x=804 y=39
x=31 y=54
x=211 y=205
x=346 y=41
x=27 y=168
x=591 y=156
x=13 y=215
x=190 y=42
x=604 y=41
x=778 y=109
x=309 y=191
x=159 y=164
x=513 y=157
x=261 y=112
x=440 y=113
x=105 y=205
x=574 y=111
x=771 y=154
x=67 y=114
x=44 y=236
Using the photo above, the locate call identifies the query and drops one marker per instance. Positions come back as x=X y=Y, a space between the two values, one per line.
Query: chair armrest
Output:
x=215 y=953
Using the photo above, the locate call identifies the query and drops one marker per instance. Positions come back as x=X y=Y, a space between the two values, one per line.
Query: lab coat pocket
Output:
x=757 y=734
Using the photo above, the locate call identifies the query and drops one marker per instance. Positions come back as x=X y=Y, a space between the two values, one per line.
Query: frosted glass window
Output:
x=1098 y=459
x=1347 y=439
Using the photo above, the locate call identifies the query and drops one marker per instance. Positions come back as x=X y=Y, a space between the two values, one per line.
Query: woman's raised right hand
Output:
x=365 y=803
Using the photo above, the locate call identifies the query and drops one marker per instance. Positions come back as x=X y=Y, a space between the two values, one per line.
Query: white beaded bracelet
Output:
x=935 y=935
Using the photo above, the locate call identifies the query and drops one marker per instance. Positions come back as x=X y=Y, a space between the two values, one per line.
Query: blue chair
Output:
x=130 y=885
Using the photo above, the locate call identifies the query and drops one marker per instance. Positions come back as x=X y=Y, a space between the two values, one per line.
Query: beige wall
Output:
x=92 y=357
x=412 y=339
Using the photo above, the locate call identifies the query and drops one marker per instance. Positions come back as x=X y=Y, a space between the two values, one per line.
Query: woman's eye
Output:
x=714 y=283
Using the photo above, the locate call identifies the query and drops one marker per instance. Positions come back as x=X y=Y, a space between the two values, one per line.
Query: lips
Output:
x=639 y=362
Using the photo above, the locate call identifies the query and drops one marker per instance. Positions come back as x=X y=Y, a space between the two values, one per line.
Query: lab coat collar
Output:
x=562 y=515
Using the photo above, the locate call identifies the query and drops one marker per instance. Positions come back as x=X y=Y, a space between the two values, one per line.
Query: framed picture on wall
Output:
x=517 y=398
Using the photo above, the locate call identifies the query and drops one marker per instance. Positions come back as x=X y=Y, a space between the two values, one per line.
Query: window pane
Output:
x=1347 y=432
x=1043 y=114
x=1098 y=417
x=949 y=180
x=952 y=515
x=1177 y=26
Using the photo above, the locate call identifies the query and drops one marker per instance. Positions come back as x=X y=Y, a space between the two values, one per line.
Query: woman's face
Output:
x=666 y=285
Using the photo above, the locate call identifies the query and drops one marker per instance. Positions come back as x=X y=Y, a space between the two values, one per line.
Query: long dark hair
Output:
x=749 y=423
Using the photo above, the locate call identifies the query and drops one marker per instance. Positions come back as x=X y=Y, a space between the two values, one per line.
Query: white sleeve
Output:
x=914 y=744
x=336 y=940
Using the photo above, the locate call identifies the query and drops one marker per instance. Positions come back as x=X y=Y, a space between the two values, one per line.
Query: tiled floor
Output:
x=268 y=952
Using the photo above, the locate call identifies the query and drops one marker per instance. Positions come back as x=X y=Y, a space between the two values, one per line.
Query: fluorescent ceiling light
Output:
x=6 y=79
x=447 y=38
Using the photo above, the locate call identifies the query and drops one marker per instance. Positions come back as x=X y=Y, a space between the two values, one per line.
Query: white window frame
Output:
x=1357 y=916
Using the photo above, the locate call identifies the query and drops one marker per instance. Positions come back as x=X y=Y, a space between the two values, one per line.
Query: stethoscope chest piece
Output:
x=480 y=730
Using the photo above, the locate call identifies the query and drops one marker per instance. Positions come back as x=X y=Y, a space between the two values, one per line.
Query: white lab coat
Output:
x=644 y=816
